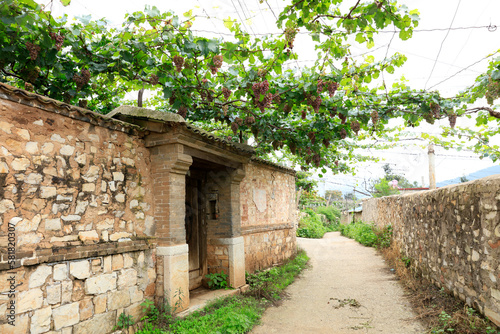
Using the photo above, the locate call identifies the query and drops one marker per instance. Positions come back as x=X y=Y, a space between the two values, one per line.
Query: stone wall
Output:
x=80 y=296
x=452 y=234
x=75 y=213
x=268 y=215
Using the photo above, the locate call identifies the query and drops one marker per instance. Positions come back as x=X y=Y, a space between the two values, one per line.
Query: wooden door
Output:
x=194 y=233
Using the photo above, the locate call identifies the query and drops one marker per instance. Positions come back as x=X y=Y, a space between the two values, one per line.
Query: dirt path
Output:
x=349 y=289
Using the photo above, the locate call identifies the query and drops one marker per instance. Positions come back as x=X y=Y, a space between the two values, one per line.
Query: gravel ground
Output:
x=348 y=289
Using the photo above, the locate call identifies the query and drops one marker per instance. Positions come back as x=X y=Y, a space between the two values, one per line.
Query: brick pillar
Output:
x=169 y=168
x=225 y=240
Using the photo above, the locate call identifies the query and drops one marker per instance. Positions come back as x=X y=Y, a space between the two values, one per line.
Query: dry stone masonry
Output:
x=93 y=213
x=452 y=234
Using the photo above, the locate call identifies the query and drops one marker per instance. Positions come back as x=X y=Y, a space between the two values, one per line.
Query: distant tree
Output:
x=333 y=195
x=382 y=187
x=350 y=196
x=463 y=179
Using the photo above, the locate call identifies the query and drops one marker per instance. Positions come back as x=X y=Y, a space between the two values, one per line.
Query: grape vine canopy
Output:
x=238 y=87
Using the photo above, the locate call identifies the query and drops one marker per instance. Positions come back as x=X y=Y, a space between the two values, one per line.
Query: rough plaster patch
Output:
x=259 y=198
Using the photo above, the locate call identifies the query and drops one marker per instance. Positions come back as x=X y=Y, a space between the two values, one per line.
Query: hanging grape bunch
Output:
x=287 y=108
x=238 y=121
x=182 y=111
x=435 y=108
x=343 y=133
x=492 y=90
x=312 y=137
x=261 y=88
x=321 y=85
x=326 y=142
x=81 y=79
x=292 y=147
x=290 y=34
x=33 y=74
x=355 y=127
x=249 y=120
x=154 y=79
x=332 y=88
x=217 y=60
x=171 y=99
x=59 y=39
x=225 y=109
x=453 y=120
x=234 y=127
x=333 y=112
x=342 y=118
x=317 y=160
x=33 y=49
x=375 y=117
x=226 y=92
x=315 y=102
x=303 y=114
x=178 y=62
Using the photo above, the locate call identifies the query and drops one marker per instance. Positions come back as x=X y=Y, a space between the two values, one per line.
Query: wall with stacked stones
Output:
x=452 y=235
x=75 y=208
x=268 y=215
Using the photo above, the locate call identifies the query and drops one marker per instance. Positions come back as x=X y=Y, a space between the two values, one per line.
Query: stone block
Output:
x=54 y=293
x=40 y=321
x=119 y=235
x=117 y=262
x=86 y=309
x=78 y=292
x=118 y=299
x=136 y=295
x=100 y=284
x=48 y=192
x=21 y=325
x=100 y=303
x=20 y=164
x=100 y=323
x=106 y=224
x=128 y=260
x=88 y=237
x=28 y=239
x=67 y=150
x=107 y=264
x=6 y=205
x=39 y=276
x=60 y=272
x=29 y=300
x=66 y=315
x=136 y=311
x=66 y=291
x=53 y=224
x=80 y=269
x=127 y=278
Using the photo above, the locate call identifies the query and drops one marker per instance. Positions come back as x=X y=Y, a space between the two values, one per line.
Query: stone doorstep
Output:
x=200 y=297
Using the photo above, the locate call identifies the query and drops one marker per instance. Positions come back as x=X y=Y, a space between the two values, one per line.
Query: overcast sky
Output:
x=438 y=58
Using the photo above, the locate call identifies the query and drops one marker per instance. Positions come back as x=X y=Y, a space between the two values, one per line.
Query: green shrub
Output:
x=367 y=234
x=332 y=213
x=311 y=227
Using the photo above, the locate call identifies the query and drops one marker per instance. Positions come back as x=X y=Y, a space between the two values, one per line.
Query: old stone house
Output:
x=98 y=213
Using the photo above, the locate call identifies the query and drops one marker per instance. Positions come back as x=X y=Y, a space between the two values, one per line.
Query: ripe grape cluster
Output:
x=332 y=88
x=435 y=108
x=292 y=147
x=492 y=91
x=238 y=121
x=59 y=39
x=312 y=137
x=225 y=109
x=178 y=62
x=342 y=118
x=249 y=120
x=154 y=79
x=321 y=85
x=343 y=133
x=171 y=99
x=33 y=49
x=226 y=92
x=355 y=126
x=375 y=117
x=315 y=102
x=182 y=111
x=260 y=88
x=303 y=114
x=453 y=120
x=326 y=142
x=217 y=60
x=234 y=127
x=29 y=87
x=290 y=34
x=287 y=108
x=317 y=160
x=33 y=74
x=82 y=103
x=81 y=79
